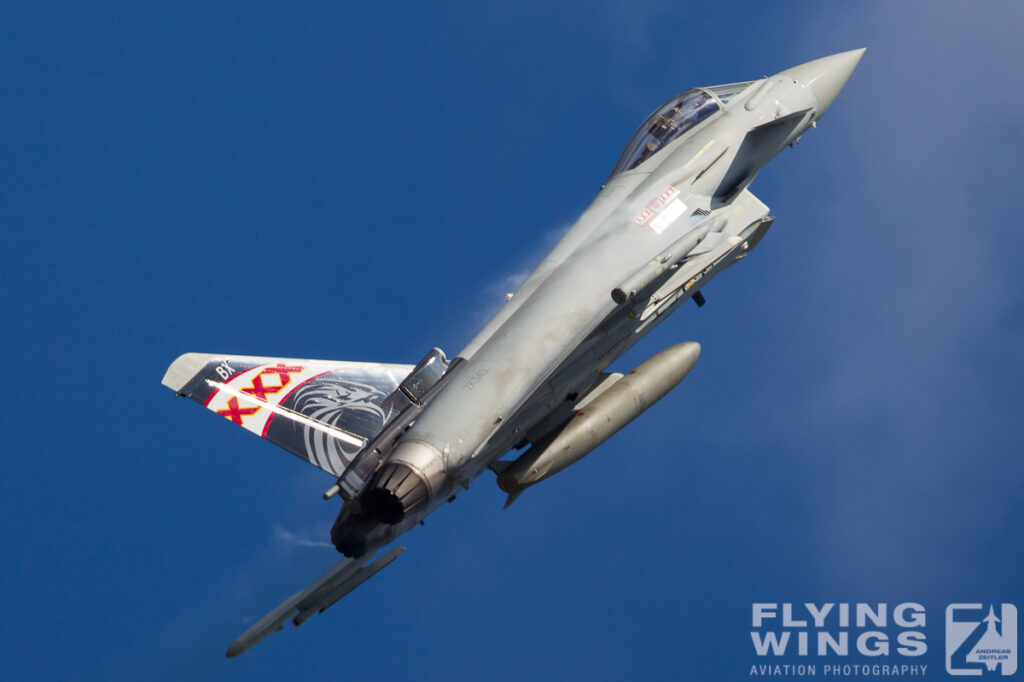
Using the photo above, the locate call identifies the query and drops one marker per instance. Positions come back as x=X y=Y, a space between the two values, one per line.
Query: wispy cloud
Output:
x=308 y=538
x=911 y=257
x=493 y=295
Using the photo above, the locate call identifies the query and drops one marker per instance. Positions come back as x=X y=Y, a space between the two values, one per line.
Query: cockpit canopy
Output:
x=672 y=119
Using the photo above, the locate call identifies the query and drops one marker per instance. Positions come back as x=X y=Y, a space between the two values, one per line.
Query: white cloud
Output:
x=309 y=538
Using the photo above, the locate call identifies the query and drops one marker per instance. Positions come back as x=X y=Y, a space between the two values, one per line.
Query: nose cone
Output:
x=826 y=76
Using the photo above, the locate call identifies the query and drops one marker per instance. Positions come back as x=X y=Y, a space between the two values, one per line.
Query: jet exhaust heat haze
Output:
x=400 y=440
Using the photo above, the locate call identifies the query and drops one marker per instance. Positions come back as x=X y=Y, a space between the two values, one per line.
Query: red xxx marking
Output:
x=283 y=372
x=235 y=413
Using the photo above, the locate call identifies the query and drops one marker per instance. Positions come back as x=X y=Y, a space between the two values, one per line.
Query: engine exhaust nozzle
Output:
x=405 y=484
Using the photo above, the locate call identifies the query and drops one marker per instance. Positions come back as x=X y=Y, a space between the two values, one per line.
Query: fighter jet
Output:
x=401 y=440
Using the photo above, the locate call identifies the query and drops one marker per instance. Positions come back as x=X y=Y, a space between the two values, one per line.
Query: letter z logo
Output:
x=980 y=640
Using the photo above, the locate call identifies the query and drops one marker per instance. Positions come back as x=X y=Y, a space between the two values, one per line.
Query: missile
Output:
x=598 y=417
x=343 y=585
x=342 y=578
x=665 y=261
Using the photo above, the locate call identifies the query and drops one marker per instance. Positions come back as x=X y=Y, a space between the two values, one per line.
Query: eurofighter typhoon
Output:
x=400 y=440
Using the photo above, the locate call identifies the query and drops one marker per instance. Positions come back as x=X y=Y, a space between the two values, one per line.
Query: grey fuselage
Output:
x=550 y=342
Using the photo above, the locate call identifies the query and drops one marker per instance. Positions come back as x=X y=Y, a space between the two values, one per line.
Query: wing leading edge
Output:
x=344 y=576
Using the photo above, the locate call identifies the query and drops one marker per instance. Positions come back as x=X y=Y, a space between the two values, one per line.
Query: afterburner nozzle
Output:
x=409 y=479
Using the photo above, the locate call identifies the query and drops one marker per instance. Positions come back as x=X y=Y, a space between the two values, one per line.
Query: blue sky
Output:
x=365 y=183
